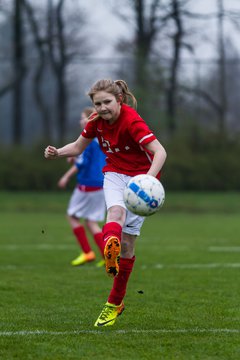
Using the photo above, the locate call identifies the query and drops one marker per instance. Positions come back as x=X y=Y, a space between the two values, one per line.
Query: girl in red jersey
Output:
x=131 y=149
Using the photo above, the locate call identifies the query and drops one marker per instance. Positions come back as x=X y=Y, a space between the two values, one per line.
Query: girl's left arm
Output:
x=159 y=157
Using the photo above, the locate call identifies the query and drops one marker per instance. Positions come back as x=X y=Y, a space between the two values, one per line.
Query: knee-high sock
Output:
x=82 y=239
x=112 y=229
x=120 y=282
x=99 y=241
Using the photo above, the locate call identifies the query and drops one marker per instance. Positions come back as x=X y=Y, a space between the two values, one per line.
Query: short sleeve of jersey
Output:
x=89 y=131
x=140 y=132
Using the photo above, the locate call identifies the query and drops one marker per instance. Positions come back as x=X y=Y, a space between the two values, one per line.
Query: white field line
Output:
x=133 y=331
x=143 y=267
x=41 y=246
x=194 y=266
x=224 y=248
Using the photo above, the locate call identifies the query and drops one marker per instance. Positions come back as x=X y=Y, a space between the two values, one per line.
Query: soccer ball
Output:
x=144 y=195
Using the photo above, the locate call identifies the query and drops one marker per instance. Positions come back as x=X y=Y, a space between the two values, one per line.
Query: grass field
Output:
x=183 y=295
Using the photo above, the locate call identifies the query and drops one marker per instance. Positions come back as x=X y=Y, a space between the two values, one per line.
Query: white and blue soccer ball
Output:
x=144 y=195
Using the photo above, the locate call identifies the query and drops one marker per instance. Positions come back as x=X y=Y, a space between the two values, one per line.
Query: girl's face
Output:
x=107 y=106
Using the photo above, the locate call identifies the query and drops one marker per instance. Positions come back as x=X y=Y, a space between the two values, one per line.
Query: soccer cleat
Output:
x=112 y=256
x=109 y=314
x=84 y=258
x=100 y=263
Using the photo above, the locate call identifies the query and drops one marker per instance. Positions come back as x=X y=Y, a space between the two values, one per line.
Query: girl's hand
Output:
x=50 y=152
x=71 y=159
x=63 y=182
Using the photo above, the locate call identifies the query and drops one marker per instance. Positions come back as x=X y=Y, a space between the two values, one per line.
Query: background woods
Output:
x=181 y=62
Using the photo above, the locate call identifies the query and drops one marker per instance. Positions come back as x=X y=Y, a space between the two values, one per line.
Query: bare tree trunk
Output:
x=142 y=44
x=222 y=69
x=39 y=72
x=146 y=29
x=172 y=87
x=62 y=94
x=59 y=64
x=19 y=70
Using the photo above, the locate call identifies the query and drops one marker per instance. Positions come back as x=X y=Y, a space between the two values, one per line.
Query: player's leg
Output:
x=112 y=234
x=87 y=254
x=114 y=185
x=115 y=306
x=75 y=211
x=96 y=214
x=126 y=264
x=97 y=235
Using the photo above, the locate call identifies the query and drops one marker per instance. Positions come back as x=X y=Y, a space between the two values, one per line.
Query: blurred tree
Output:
x=59 y=60
x=65 y=42
x=222 y=69
x=146 y=30
x=175 y=14
x=40 y=68
x=147 y=20
x=20 y=71
x=153 y=21
x=213 y=89
x=47 y=38
x=7 y=82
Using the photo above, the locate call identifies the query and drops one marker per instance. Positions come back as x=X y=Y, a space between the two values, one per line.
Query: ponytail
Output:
x=126 y=93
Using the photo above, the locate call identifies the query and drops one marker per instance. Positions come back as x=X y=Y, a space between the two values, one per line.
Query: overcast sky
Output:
x=108 y=27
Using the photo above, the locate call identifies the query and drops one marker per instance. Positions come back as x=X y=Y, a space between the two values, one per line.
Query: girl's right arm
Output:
x=67 y=176
x=72 y=149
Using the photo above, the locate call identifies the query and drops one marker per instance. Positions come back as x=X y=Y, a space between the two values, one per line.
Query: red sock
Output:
x=112 y=229
x=99 y=241
x=120 y=282
x=82 y=239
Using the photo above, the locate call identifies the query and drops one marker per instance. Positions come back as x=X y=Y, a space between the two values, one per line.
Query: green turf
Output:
x=183 y=295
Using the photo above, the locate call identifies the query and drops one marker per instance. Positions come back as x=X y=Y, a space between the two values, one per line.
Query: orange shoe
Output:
x=112 y=256
x=83 y=258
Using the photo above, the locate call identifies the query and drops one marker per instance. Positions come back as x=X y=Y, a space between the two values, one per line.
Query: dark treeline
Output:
x=48 y=62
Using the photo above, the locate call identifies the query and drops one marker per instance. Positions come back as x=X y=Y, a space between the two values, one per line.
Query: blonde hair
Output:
x=116 y=88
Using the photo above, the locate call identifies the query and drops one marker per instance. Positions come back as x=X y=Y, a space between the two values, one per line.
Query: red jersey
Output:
x=123 y=142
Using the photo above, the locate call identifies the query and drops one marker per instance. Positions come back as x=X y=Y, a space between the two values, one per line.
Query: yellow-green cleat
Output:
x=100 y=263
x=109 y=314
x=84 y=258
x=112 y=256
